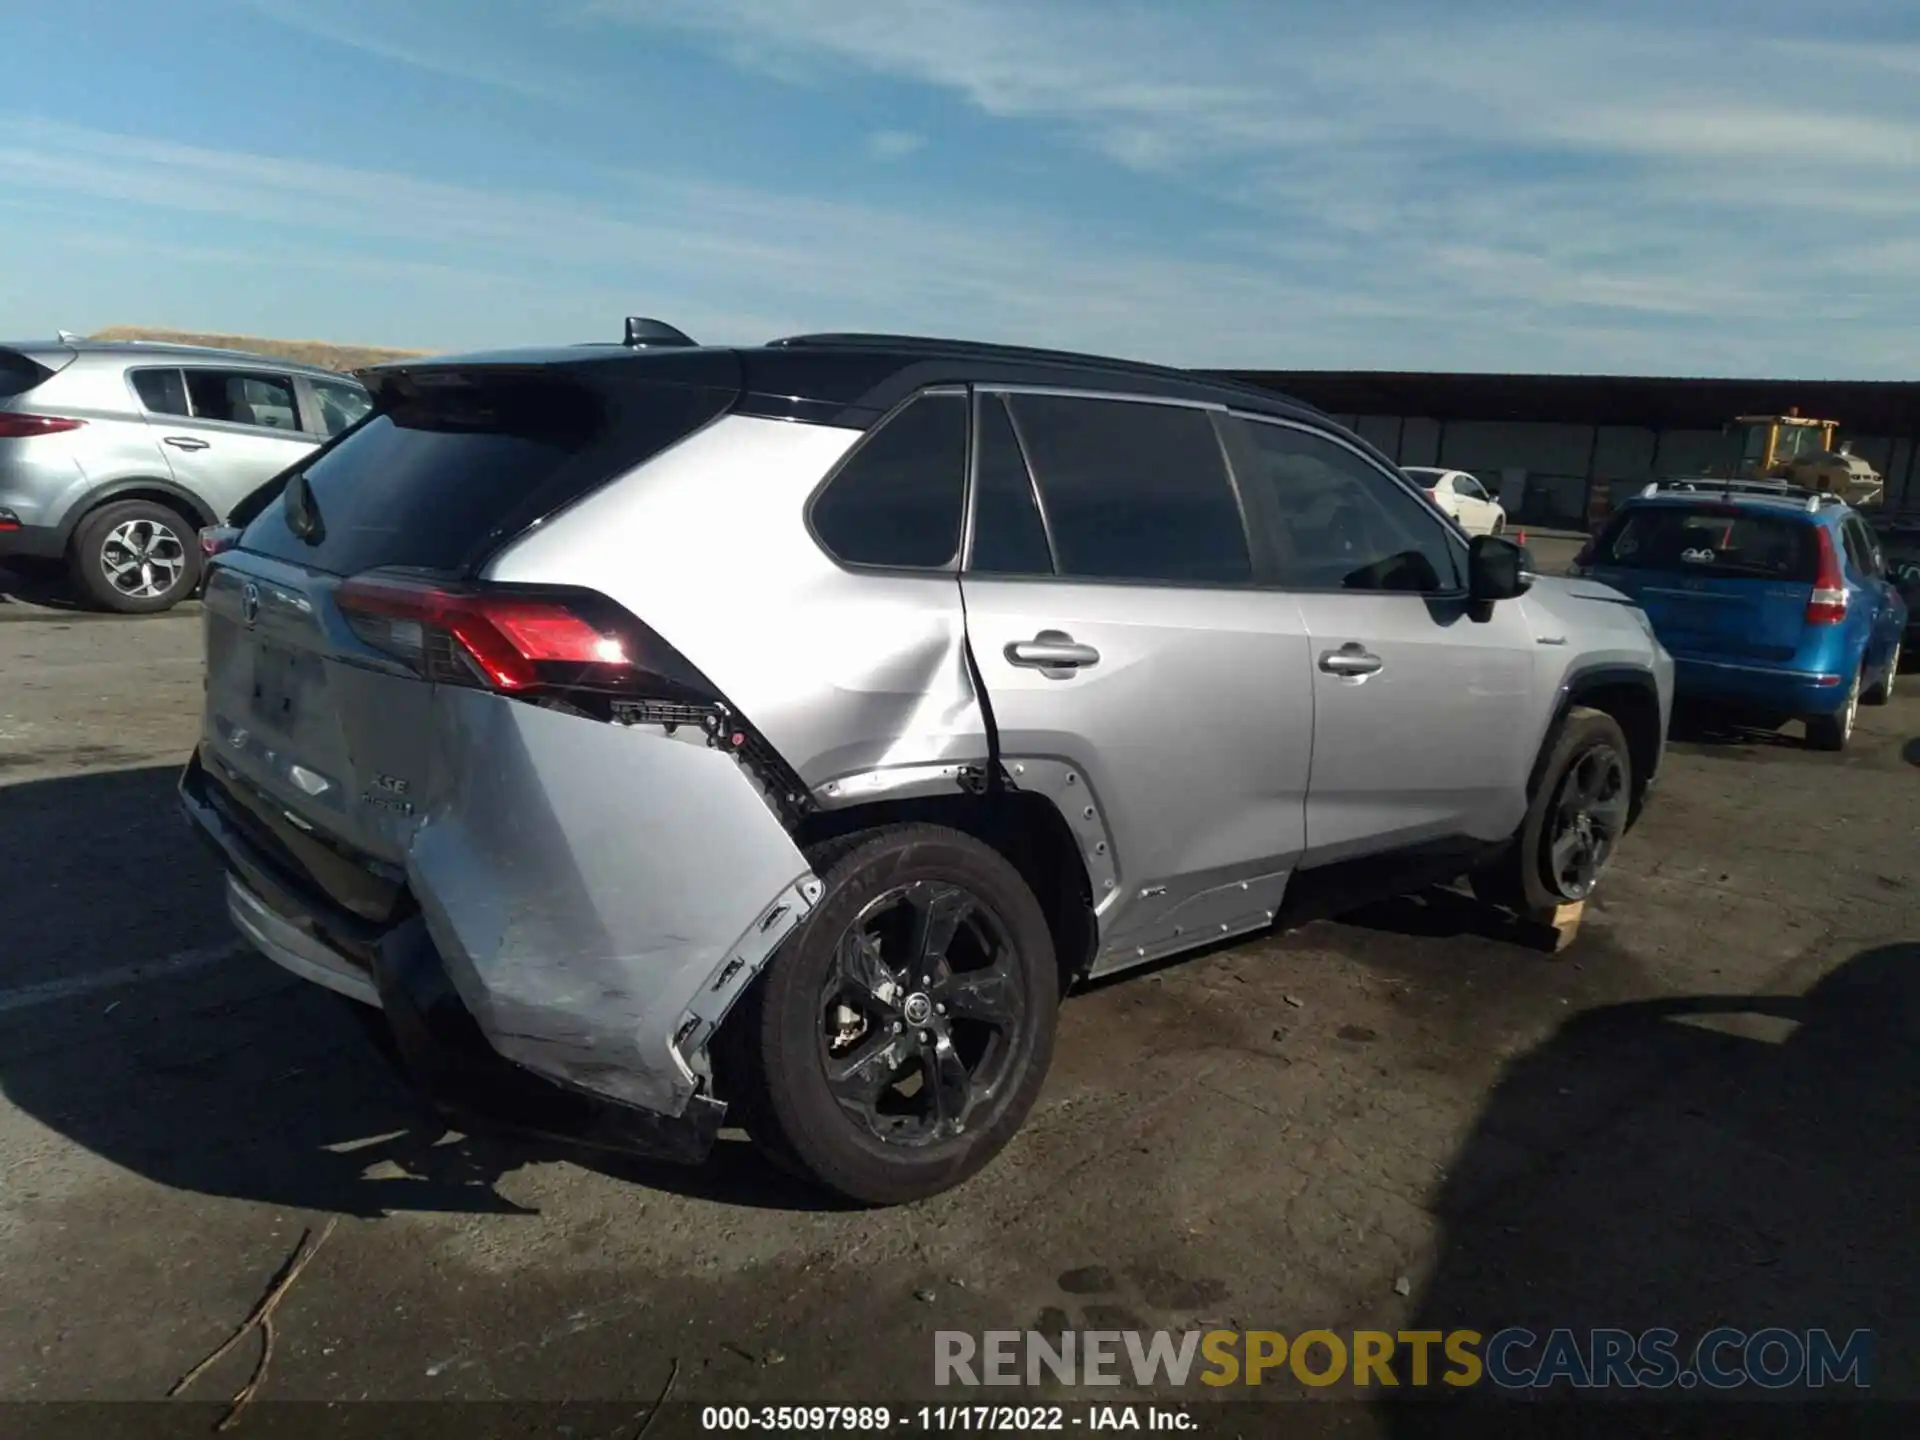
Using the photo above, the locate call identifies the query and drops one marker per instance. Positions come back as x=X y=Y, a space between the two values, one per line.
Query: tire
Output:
x=107 y=541
x=893 y=1150
x=1833 y=732
x=1588 y=771
x=1882 y=693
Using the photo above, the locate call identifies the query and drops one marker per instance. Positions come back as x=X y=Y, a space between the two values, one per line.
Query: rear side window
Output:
x=1009 y=537
x=1711 y=540
x=897 y=500
x=162 y=392
x=440 y=475
x=1133 y=491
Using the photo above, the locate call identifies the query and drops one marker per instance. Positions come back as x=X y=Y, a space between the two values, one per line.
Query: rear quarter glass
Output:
x=18 y=374
x=438 y=477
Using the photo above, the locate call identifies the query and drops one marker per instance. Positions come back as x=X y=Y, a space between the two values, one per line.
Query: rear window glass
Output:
x=431 y=480
x=18 y=374
x=1711 y=540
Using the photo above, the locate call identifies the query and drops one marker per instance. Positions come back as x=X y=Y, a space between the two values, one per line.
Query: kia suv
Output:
x=113 y=455
x=676 y=733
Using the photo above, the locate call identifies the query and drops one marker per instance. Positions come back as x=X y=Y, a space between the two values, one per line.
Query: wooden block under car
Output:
x=1560 y=926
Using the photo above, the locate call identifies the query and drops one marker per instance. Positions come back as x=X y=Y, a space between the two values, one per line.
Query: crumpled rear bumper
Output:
x=581 y=911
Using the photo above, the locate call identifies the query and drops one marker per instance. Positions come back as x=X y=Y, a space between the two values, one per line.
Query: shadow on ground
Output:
x=1745 y=1161
x=223 y=1075
x=36 y=583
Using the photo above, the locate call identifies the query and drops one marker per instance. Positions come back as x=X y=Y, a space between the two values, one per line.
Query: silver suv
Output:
x=679 y=731
x=113 y=454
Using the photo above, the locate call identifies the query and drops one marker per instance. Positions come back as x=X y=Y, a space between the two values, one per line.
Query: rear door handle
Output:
x=1351 y=659
x=185 y=442
x=1051 y=650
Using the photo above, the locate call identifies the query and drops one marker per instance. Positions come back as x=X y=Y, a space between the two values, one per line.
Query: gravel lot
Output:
x=1272 y=1136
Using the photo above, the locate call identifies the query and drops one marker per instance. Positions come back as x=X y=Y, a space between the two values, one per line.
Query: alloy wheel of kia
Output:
x=142 y=559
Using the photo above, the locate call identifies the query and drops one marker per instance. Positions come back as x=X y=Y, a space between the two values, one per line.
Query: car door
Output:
x=1134 y=673
x=1869 y=589
x=1420 y=707
x=224 y=430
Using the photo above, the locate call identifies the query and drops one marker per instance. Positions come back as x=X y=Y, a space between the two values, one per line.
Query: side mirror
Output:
x=1496 y=569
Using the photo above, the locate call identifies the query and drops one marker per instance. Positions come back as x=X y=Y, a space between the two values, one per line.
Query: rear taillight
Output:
x=560 y=648
x=518 y=641
x=218 y=539
x=15 y=426
x=1828 y=603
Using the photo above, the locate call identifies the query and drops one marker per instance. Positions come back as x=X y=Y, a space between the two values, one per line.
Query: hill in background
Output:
x=311 y=352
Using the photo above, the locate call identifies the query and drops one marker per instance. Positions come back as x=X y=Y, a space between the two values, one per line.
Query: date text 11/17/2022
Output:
x=975 y=1419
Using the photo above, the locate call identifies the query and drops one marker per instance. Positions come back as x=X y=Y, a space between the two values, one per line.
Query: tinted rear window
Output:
x=1714 y=540
x=18 y=374
x=431 y=480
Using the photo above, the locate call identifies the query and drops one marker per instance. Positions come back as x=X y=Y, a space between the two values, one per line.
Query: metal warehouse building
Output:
x=1558 y=448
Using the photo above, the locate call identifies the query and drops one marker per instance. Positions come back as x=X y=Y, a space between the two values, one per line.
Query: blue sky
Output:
x=1690 y=187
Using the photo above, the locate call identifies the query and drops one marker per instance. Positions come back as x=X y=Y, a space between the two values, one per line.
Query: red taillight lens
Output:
x=508 y=640
x=14 y=426
x=218 y=539
x=1828 y=603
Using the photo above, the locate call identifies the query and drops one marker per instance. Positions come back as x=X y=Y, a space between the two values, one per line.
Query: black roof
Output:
x=853 y=379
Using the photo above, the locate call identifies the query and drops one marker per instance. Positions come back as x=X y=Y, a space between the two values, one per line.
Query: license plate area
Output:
x=276 y=688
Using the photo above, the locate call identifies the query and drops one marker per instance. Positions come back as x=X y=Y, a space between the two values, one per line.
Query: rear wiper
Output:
x=303 y=511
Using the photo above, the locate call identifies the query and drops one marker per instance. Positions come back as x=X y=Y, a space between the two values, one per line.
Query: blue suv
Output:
x=1772 y=600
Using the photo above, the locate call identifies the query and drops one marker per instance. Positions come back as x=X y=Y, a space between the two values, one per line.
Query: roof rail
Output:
x=1777 y=489
x=932 y=345
x=988 y=350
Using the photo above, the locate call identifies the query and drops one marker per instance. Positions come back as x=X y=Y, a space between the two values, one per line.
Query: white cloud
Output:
x=1669 y=169
x=894 y=144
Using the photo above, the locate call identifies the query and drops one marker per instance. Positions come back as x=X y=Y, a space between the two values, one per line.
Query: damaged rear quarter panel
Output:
x=584 y=882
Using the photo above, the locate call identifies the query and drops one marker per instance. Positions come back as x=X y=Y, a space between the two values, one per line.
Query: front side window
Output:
x=1337 y=522
x=897 y=501
x=1133 y=490
x=340 y=404
x=265 y=401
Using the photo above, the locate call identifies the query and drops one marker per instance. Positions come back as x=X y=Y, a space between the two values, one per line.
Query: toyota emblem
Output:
x=250 y=603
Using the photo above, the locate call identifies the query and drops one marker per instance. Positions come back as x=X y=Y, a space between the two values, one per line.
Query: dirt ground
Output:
x=1400 y=1121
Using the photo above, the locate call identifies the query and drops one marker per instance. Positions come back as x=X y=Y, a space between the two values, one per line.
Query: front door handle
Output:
x=1352 y=659
x=1051 y=650
x=185 y=442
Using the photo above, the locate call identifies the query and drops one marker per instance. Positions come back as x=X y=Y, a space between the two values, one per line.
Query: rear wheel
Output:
x=135 y=557
x=1832 y=732
x=1881 y=693
x=1573 y=823
x=898 y=1041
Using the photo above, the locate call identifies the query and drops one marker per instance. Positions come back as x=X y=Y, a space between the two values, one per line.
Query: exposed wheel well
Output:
x=181 y=504
x=1025 y=828
x=1637 y=712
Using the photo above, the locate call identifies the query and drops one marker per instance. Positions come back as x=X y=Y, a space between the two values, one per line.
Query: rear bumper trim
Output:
x=293 y=949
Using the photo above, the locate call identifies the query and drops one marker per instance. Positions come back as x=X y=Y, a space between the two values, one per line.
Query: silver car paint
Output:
x=859 y=679
x=48 y=480
x=577 y=962
x=1198 y=763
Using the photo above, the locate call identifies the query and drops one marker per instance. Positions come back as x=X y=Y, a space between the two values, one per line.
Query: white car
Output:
x=1460 y=495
